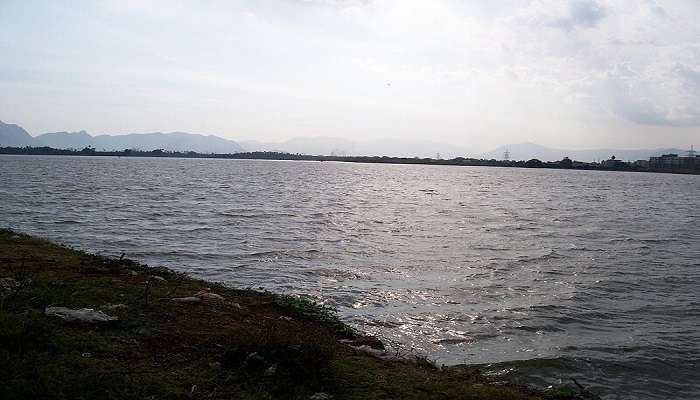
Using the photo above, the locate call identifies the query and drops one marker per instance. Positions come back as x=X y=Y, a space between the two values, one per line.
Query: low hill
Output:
x=526 y=151
x=173 y=141
x=12 y=135
x=391 y=147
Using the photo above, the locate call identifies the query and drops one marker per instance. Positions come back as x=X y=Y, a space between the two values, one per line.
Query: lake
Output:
x=544 y=274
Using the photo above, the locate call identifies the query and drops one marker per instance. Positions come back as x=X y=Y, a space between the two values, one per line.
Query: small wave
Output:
x=656 y=240
x=538 y=329
x=253 y=215
x=622 y=239
x=453 y=340
x=196 y=229
x=551 y=254
x=304 y=254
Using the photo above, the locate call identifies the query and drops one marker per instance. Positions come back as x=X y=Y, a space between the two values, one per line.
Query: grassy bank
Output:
x=181 y=338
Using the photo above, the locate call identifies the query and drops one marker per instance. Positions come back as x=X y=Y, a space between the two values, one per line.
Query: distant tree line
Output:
x=565 y=163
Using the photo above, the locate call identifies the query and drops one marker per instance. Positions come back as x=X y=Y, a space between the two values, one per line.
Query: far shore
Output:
x=564 y=164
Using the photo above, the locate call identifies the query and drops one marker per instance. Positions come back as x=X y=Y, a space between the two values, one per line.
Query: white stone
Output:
x=208 y=295
x=87 y=315
x=190 y=299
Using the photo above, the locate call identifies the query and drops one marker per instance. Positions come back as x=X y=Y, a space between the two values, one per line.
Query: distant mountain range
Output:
x=380 y=147
x=15 y=136
x=527 y=151
x=173 y=141
x=12 y=135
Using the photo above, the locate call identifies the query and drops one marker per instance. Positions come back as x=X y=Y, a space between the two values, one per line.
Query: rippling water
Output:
x=552 y=274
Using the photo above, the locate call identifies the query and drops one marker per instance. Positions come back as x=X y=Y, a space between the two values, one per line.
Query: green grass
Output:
x=312 y=311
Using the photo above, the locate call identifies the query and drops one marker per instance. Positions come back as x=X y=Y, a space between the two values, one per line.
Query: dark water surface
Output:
x=592 y=275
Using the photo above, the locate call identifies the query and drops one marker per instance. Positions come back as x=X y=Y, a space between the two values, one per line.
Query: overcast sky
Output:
x=575 y=74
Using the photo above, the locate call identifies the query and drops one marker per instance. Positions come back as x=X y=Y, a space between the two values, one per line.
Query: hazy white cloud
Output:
x=582 y=14
x=575 y=72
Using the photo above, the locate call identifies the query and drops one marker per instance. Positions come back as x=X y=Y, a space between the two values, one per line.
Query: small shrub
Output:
x=302 y=359
x=310 y=310
x=20 y=334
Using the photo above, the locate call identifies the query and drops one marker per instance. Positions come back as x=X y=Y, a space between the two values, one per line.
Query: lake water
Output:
x=553 y=274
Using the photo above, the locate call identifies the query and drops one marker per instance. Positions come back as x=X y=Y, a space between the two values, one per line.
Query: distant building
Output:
x=566 y=163
x=613 y=163
x=665 y=161
x=674 y=161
